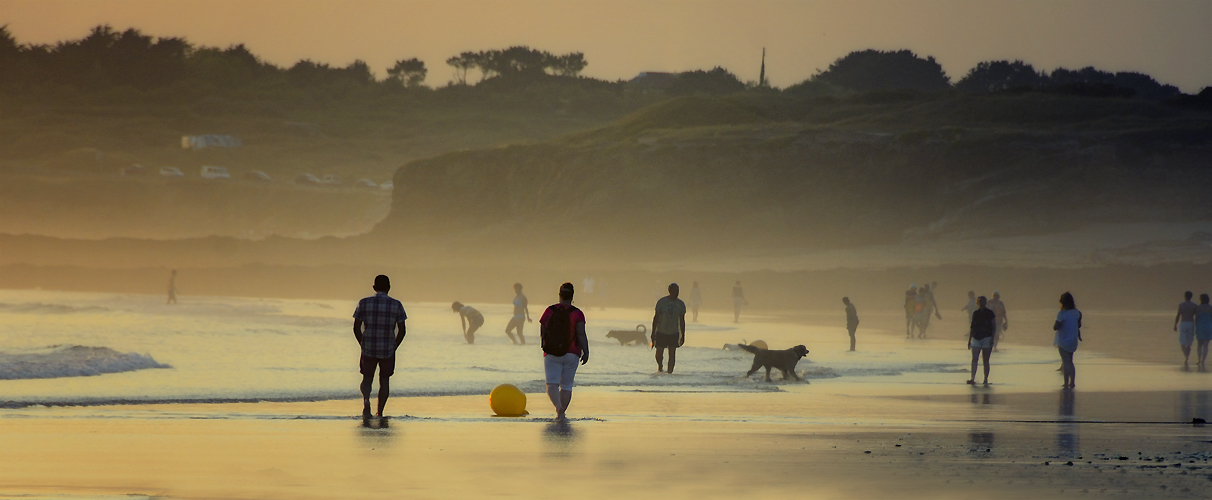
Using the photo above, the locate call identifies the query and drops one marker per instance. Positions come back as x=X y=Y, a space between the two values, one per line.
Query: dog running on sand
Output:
x=785 y=360
x=639 y=335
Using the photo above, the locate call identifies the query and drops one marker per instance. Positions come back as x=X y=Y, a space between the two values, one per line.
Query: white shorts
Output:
x=1186 y=333
x=985 y=343
x=561 y=369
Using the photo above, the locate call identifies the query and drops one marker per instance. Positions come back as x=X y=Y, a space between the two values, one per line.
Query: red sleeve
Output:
x=546 y=314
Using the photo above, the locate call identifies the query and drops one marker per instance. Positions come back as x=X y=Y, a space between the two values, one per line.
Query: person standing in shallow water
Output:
x=562 y=334
x=852 y=320
x=1068 y=328
x=521 y=315
x=470 y=319
x=738 y=300
x=669 y=327
x=696 y=301
x=172 y=288
x=1000 y=323
x=1184 y=324
x=383 y=318
x=1203 y=330
x=980 y=337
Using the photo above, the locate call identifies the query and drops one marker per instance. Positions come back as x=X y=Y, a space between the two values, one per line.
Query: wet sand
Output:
x=808 y=441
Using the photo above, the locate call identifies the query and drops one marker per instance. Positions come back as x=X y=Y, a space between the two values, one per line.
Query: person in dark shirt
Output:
x=980 y=337
x=852 y=320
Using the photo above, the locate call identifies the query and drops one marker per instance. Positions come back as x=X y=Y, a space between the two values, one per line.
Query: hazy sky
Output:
x=1169 y=39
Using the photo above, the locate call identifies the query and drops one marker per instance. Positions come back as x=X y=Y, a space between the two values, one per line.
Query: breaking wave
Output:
x=71 y=361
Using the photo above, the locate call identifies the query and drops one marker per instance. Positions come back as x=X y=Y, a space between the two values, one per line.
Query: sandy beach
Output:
x=894 y=419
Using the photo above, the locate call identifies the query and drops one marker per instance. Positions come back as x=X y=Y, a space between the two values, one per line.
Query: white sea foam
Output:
x=70 y=361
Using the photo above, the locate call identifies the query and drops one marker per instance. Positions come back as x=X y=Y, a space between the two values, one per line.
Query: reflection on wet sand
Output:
x=376 y=432
x=1192 y=405
x=559 y=439
x=1067 y=441
x=980 y=440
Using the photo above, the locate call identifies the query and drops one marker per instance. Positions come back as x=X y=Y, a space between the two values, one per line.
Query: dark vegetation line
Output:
x=108 y=59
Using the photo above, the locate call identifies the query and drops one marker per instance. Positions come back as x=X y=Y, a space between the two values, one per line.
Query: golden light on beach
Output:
x=546 y=249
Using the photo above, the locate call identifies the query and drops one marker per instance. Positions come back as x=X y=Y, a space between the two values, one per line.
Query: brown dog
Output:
x=785 y=360
x=627 y=336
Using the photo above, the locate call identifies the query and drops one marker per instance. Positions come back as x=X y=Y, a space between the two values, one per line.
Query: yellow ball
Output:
x=508 y=401
x=760 y=344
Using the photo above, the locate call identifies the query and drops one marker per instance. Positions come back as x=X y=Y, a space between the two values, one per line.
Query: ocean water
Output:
x=85 y=348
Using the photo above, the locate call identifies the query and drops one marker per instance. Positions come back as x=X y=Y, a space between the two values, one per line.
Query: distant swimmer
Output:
x=1068 y=328
x=669 y=327
x=910 y=310
x=521 y=315
x=1184 y=324
x=852 y=320
x=383 y=318
x=562 y=335
x=980 y=338
x=1001 y=323
x=470 y=319
x=1203 y=330
x=738 y=300
x=696 y=301
x=970 y=307
x=172 y=288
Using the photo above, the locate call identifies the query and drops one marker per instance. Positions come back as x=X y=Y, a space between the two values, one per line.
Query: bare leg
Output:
x=695 y=309
x=985 y=354
x=553 y=393
x=384 y=392
x=852 y=337
x=673 y=358
x=565 y=399
x=660 y=357
x=521 y=326
x=1186 y=355
x=367 y=380
x=976 y=354
x=736 y=313
x=1203 y=353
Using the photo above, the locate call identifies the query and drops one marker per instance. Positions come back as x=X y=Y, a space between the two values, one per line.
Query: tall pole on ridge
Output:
x=762 y=76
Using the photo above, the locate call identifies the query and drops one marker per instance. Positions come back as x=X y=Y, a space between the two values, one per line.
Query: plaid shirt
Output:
x=380 y=314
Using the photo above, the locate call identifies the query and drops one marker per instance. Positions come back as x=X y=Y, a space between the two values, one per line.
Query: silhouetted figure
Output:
x=383 y=318
x=1203 y=330
x=852 y=320
x=1001 y=323
x=980 y=337
x=925 y=308
x=172 y=288
x=970 y=307
x=521 y=315
x=910 y=310
x=738 y=300
x=696 y=301
x=562 y=332
x=669 y=327
x=1068 y=333
x=1184 y=324
x=470 y=319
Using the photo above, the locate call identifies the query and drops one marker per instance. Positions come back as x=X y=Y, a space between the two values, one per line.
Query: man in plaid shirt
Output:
x=381 y=315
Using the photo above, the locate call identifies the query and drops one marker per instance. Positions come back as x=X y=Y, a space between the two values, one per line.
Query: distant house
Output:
x=650 y=82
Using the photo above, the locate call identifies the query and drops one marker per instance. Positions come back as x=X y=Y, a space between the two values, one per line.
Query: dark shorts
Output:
x=387 y=366
x=663 y=340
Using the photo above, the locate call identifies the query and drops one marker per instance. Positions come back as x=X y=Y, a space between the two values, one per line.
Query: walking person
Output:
x=1068 y=328
x=1184 y=324
x=1000 y=323
x=172 y=288
x=562 y=335
x=1203 y=330
x=696 y=301
x=970 y=307
x=980 y=338
x=910 y=310
x=379 y=327
x=738 y=300
x=929 y=306
x=852 y=320
x=470 y=319
x=669 y=327
x=521 y=315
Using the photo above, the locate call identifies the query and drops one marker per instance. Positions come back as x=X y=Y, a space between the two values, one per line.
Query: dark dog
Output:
x=639 y=335
x=784 y=360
